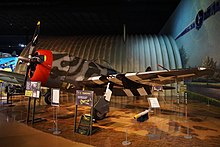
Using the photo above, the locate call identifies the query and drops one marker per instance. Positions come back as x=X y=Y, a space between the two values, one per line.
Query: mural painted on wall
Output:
x=201 y=16
x=183 y=56
x=209 y=62
x=8 y=63
x=195 y=25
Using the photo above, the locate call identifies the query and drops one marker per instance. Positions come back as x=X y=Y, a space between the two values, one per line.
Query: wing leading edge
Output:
x=140 y=83
x=11 y=77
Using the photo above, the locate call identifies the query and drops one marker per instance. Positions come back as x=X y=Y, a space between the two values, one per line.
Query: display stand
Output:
x=159 y=89
x=9 y=98
x=32 y=91
x=56 y=131
x=208 y=103
x=177 y=92
x=84 y=98
x=54 y=125
x=153 y=103
x=185 y=98
x=178 y=97
x=33 y=120
x=183 y=90
x=8 y=95
x=55 y=103
x=187 y=136
x=126 y=142
x=1 y=90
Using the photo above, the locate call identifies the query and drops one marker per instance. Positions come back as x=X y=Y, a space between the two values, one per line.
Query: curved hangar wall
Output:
x=135 y=54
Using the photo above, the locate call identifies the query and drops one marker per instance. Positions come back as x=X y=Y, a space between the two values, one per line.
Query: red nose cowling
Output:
x=42 y=72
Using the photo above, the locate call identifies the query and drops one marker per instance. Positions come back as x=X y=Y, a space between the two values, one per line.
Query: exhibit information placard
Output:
x=84 y=97
x=33 y=89
x=28 y=93
x=55 y=97
x=153 y=102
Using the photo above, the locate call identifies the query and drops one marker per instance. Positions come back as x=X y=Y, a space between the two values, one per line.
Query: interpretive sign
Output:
x=28 y=93
x=153 y=103
x=84 y=97
x=33 y=89
x=55 y=97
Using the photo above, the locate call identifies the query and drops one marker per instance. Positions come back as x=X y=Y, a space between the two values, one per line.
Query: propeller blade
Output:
x=26 y=76
x=32 y=51
x=34 y=39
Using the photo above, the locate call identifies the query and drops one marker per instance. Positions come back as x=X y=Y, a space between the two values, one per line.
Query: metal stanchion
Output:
x=28 y=111
x=56 y=131
x=185 y=96
x=187 y=136
x=33 y=112
x=75 y=118
x=178 y=98
x=55 y=103
x=126 y=142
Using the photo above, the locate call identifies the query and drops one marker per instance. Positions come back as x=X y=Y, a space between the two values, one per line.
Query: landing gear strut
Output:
x=101 y=108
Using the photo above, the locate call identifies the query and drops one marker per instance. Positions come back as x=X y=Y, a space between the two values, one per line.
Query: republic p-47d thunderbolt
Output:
x=60 y=70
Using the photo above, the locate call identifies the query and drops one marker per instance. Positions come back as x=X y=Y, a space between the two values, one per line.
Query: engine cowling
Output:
x=42 y=70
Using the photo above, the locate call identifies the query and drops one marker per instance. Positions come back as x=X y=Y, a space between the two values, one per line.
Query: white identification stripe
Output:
x=152 y=72
x=96 y=80
x=108 y=94
x=128 y=92
x=142 y=91
x=132 y=76
x=115 y=80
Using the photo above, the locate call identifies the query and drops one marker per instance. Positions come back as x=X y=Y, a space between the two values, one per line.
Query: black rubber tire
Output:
x=97 y=115
x=47 y=98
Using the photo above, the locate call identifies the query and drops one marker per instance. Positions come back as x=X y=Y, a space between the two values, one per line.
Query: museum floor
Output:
x=194 y=124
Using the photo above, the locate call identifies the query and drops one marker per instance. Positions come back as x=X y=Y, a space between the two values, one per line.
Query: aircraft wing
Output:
x=11 y=77
x=151 y=78
x=163 y=77
x=139 y=83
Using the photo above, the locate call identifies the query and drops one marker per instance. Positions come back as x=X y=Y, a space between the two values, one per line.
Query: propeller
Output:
x=33 y=57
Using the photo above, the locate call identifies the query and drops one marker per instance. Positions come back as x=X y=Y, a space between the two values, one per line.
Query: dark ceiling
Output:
x=60 y=17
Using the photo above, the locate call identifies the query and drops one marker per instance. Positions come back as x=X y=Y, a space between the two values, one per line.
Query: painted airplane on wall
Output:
x=201 y=17
x=8 y=63
x=60 y=70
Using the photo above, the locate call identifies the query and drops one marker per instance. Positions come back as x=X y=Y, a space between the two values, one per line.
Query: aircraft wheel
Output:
x=47 y=98
x=97 y=115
